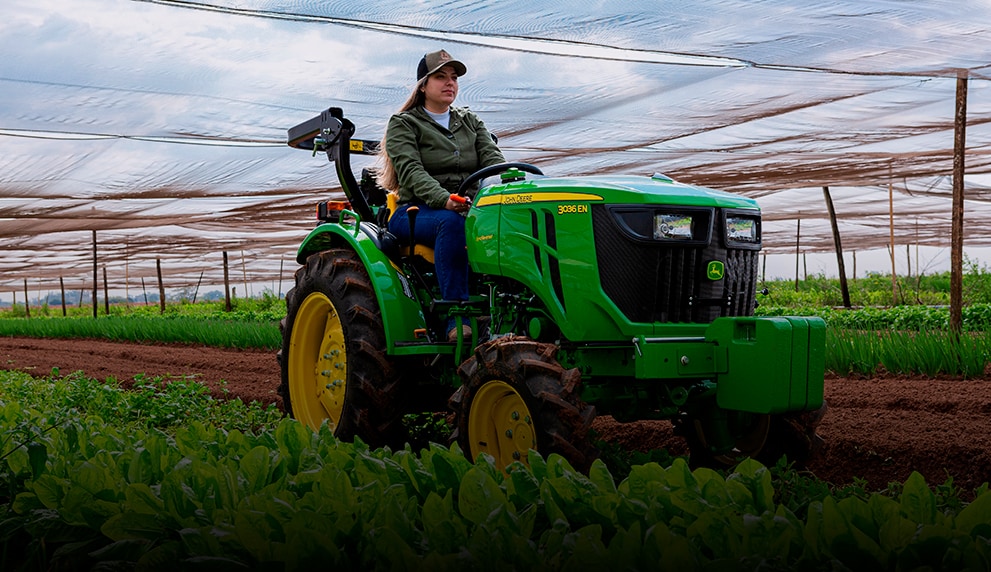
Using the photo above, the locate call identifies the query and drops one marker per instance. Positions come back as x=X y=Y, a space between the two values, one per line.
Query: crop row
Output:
x=862 y=350
x=84 y=492
x=975 y=318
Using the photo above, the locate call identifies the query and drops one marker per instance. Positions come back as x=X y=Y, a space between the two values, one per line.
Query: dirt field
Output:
x=876 y=429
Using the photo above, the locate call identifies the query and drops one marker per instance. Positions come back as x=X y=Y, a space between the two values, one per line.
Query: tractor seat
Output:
x=421 y=250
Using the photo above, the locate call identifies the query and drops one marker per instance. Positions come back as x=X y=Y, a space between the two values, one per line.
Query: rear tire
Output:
x=333 y=359
x=516 y=397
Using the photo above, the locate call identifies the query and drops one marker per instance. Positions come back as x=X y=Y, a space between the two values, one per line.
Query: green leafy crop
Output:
x=86 y=490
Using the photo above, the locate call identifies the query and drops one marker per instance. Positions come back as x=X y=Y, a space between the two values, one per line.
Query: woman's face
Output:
x=441 y=89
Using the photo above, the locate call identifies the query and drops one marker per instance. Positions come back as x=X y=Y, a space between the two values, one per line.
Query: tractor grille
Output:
x=659 y=282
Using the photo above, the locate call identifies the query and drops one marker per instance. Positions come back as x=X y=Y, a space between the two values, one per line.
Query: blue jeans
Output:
x=444 y=231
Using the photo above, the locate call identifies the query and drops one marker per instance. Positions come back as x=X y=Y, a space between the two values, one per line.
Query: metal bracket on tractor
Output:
x=331 y=132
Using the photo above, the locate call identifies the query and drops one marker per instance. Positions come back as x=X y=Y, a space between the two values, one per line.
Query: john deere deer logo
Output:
x=715 y=270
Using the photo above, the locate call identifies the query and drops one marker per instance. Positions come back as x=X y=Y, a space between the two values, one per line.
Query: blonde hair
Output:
x=385 y=174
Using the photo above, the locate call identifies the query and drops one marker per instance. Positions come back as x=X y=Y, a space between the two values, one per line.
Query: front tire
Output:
x=763 y=437
x=516 y=397
x=333 y=360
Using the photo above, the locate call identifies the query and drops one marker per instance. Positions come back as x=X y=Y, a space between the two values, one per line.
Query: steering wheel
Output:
x=492 y=170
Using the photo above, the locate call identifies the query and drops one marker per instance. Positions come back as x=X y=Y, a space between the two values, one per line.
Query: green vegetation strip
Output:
x=975 y=318
x=210 y=331
x=910 y=353
x=87 y=484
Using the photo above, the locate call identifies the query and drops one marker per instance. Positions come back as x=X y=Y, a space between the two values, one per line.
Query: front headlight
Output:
x=673 y=226
x=742 y=229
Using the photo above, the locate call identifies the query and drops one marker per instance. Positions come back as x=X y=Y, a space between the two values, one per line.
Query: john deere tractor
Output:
x=630 y=296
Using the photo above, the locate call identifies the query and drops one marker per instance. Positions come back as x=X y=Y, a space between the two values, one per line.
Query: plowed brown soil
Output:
x=877 y=429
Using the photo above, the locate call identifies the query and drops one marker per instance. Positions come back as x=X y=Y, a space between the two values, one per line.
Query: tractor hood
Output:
x=610 y=189
x=611 y=257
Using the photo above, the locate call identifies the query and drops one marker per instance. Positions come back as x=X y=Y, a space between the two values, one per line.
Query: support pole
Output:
x=127 y=278
x=95 y=278
x=956 y=234
x=839 y=247
x=161 y=286
x=798 y=244
x=227 y=286
x=61 y=285
x=891 y=238
x=908 y=258
x=197 y=290
x=244 y=274
x=27 y=300
x=106 y=293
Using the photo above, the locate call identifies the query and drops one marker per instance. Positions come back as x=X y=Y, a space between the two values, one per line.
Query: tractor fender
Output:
x=402 y=314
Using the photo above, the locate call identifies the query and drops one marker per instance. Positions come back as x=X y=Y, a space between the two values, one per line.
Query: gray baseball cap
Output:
x=433 y=61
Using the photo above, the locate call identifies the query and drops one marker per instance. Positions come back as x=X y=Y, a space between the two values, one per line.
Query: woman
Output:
x=429 y=148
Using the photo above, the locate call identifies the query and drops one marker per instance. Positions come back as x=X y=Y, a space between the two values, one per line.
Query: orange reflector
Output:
x=331 y=210
x=420 y=333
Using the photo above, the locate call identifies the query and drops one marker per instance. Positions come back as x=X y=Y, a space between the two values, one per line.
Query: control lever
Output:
x=463 y=200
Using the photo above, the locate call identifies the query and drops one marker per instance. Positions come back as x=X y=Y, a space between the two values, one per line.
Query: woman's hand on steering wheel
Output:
x=493 y=170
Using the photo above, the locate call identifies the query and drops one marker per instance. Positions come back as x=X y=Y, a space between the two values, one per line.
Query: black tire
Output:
x=333 y=359
x=765 y=438
x=516 y=397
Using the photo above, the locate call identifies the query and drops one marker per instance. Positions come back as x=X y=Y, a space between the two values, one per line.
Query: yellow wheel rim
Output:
x=500 y=424
x=317 y=363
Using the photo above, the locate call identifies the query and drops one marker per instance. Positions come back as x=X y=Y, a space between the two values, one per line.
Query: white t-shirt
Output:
x=442 y=119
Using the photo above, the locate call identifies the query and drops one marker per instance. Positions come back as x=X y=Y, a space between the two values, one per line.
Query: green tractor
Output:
x=621 y=295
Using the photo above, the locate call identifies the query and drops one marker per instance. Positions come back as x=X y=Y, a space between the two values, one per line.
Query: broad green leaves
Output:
x=291 y=498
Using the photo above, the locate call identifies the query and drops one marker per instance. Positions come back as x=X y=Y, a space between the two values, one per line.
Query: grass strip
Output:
x=242 y=334
x=910 y=353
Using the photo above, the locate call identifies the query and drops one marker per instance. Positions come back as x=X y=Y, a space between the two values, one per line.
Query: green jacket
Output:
x=431 y=161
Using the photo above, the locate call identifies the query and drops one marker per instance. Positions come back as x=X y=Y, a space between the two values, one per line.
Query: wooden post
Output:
x=854 y=264
x=891 y=238
x=95 y=279
x=227 y=286
x=61 y=285
x=908 y=257
x=763 y=270
x=161 y=286
x=197 y=290
x=278 y=293
x=244 y=274
x=127 y=278
x=144 y=290
x=82 y=291
x=838 y=245
x=918 y=269
x=956 y=234
x=27 y=300
x=798 y=242
x=106 y=294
